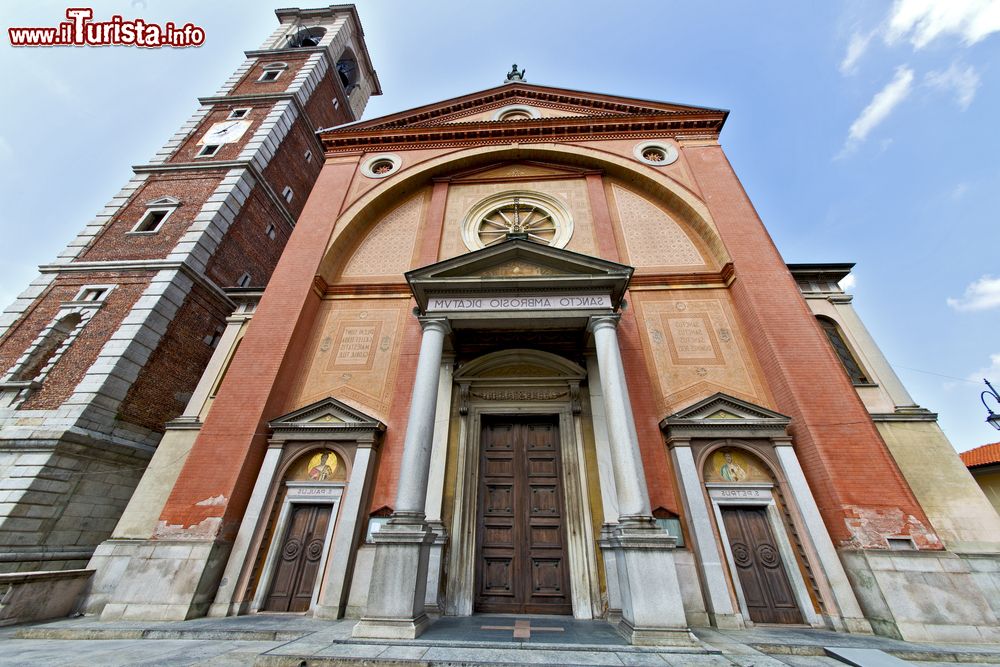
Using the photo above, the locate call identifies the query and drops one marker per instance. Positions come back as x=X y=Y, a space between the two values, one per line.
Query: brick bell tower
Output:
x=107 y=344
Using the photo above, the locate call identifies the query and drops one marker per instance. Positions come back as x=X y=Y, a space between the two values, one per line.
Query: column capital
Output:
x=596 y=322
x=678 y=442
x=434 y=323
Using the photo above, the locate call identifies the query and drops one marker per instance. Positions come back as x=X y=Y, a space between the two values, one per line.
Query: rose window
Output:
x=526 y=215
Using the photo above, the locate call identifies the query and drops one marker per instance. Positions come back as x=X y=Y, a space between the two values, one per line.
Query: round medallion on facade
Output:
x=516 y=112
x=655 y=153
x=536 y=216
x=380 y=166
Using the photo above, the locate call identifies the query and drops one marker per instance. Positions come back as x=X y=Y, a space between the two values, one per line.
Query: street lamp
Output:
x=993 y=419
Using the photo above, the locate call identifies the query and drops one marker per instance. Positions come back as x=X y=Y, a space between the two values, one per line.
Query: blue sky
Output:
x=862 y=131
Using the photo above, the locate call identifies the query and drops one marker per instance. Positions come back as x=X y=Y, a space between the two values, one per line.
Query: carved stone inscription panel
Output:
x=694 y=348
x=353 y=353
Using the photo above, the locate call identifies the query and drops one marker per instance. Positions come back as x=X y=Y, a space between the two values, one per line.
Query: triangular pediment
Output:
x=479 y=115
x=721 y=413
x=326 y=414
x=520 y=266
x=164 y=201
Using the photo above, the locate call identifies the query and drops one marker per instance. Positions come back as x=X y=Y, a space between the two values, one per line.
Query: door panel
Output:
x=299 y=559
x=762 y=575
x=521 y=554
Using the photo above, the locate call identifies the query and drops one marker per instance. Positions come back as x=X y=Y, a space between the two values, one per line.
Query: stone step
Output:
x=154 y=633
x=864 y=657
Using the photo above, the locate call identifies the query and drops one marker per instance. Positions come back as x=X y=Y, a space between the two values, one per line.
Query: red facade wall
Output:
x=849 y=469
x=256 y=383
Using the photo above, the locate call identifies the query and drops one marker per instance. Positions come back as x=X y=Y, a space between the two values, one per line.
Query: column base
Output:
x=639 y=636
x=432 y=602
x=652 y=605
x=371 y=627
x=395 y=608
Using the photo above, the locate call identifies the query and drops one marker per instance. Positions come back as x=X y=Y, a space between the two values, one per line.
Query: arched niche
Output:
x=358 y=219
x=731 y=464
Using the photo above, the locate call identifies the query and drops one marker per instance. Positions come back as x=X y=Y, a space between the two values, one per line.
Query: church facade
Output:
x=532 y=351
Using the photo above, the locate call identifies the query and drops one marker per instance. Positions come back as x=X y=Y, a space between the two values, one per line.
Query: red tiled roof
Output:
x=981 y=456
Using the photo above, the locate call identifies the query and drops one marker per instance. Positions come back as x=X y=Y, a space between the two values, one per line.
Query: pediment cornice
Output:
x=588 y=115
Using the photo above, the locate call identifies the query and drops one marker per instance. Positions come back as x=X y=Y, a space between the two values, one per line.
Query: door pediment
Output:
x=327 y=419
x=721 y=415
x=519 y=267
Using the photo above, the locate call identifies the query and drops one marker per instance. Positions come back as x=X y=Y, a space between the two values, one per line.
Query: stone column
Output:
x=630 y=481
x=435 y=482
x=395 y=608
x=652 y=607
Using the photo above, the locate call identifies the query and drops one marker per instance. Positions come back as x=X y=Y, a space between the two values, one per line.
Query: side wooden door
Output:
x=765 y=584
x=299 y=559
x=521 y=564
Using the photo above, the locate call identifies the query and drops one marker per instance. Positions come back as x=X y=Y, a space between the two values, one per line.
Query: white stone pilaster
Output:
x=847 y=604
x=333 y=596
x=714 y=585
x=225 y=603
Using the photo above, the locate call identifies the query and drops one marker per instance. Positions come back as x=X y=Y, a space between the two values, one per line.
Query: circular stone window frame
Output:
x=366 y=167
x=670 y=153
x=556 y=209
x=532 y=112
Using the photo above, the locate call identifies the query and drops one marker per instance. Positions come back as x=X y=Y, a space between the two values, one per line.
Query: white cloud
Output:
x=960 y=190
x=879 y=108
x=849 y=282
x=990 y=372
x=963 y=81
x=981 y=294
x=6 y=151
x=855 y=49
x=923 y=21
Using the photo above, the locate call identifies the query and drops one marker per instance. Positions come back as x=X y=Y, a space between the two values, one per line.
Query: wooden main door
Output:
x=768 y=594
x=298 y=560
x=521 y=563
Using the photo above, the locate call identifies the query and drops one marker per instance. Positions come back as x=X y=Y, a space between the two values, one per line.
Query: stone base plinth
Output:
x=927 y=596
x=161 y=580
x=655 y=636
x=396 y=596
x=652 y=606
x=371 y=627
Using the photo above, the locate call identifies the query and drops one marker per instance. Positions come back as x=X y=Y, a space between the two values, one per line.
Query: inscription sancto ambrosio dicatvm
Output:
x=526 y=302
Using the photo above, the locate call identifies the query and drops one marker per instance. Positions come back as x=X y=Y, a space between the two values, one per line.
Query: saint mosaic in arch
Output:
x=320 y=466
x=733 y=465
